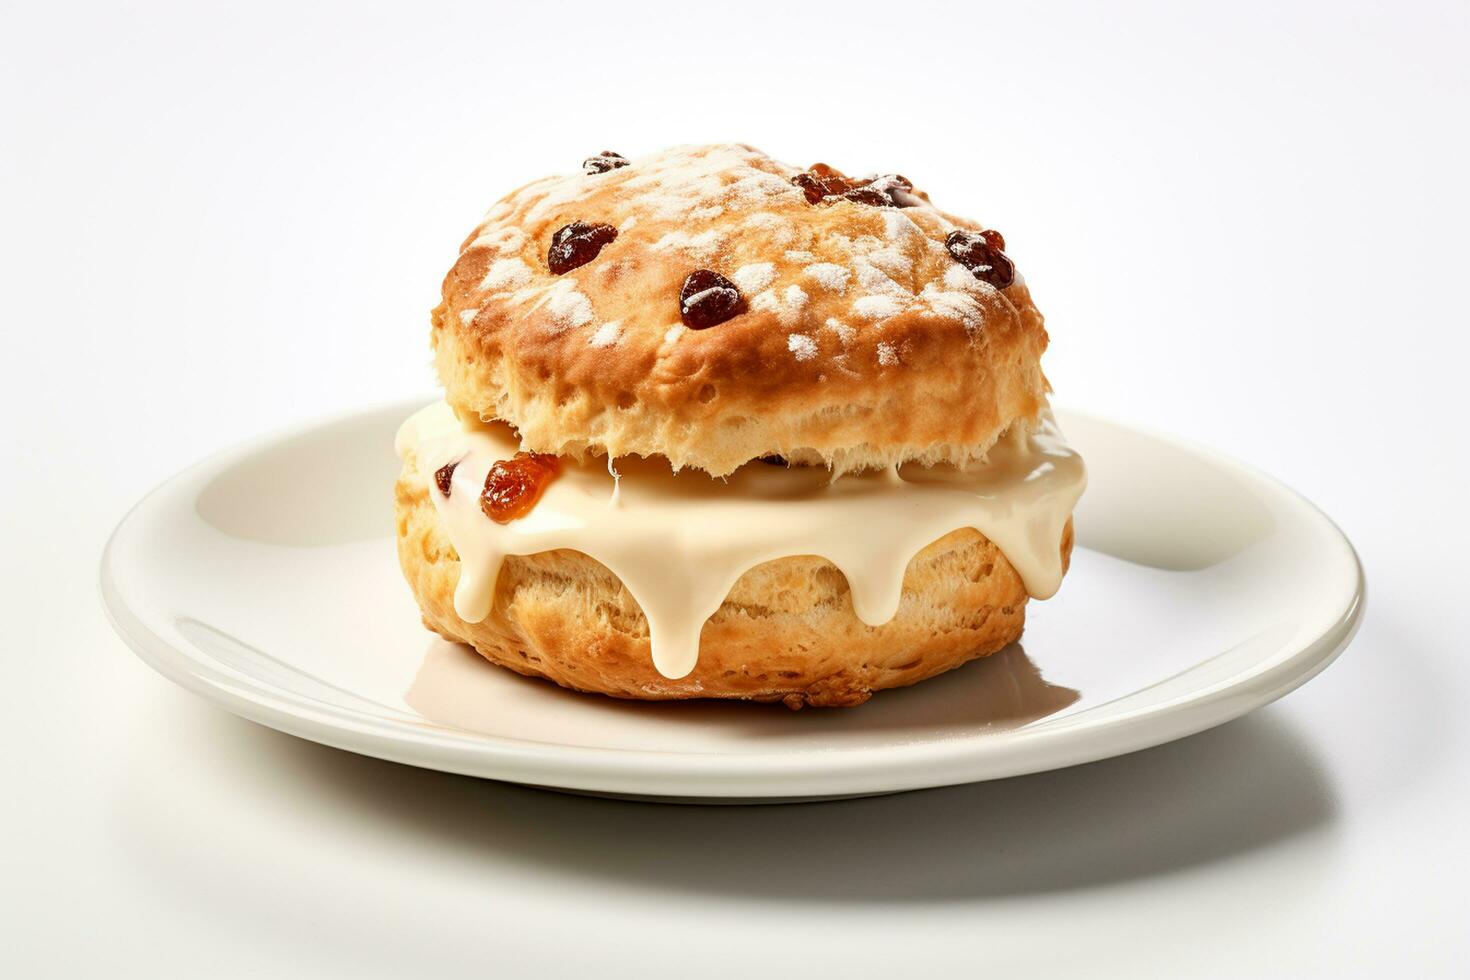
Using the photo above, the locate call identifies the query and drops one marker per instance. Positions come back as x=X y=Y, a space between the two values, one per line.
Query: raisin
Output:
x=443 y=475
x=975 y=251
x=603 y=162
x=513 y=485
x=866 y=195
x=577 y=244
x=707 y=299
x=809 y=186
x=822 y=182
x=897 y=190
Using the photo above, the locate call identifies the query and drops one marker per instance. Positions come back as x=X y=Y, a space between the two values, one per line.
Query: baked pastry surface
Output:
x=863 y=342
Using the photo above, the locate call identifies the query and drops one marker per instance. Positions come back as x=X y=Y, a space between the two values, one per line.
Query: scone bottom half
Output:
x=625 y=350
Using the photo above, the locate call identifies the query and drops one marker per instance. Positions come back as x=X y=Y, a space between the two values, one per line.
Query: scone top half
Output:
x=712 y=306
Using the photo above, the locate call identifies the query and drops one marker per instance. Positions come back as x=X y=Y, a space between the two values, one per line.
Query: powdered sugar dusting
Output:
x=606 y=335
x=701 y=246
x=787 y=305
x=506 y=238
x=754 y=277
x=525 y=295
x=800 y=255
x=758 y=188
x=872 y=279
x=568 y=306
x=779 y=230
x=682 y=184
x=674 y=333
x=954 y=304
x=887 y=355
x=891 y=261
x=802 y=347
x=767 y=220
x=468 y=316
x=506 y=274
x=898 y=226
x=844 y=333
x=958 y=277
x=830 y=276
x=878 y=307
x=559 y=193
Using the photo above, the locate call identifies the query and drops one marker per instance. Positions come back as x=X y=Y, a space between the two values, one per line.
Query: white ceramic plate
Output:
x=265 y=579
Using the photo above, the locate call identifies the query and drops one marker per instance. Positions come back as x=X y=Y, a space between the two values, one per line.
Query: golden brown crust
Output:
x=786 y=632
x=864 y=344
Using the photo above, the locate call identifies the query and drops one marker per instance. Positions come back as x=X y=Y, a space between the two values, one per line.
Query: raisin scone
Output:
x=718 y=427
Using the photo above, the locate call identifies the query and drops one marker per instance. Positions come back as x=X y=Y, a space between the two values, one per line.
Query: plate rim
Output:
x=785 y=774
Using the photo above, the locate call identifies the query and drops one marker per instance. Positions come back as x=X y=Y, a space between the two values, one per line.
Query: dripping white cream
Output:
x=679 y=542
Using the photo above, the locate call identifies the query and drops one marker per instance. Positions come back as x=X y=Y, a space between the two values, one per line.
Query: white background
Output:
x=1246 y=223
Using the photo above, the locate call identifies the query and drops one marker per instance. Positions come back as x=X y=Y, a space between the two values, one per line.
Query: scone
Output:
x=717 y=427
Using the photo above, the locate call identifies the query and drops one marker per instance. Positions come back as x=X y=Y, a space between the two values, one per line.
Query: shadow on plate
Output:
x=457 y=688
x=1245 y=786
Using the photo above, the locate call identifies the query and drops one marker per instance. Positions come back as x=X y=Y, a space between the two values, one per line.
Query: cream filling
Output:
x=680 y=541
